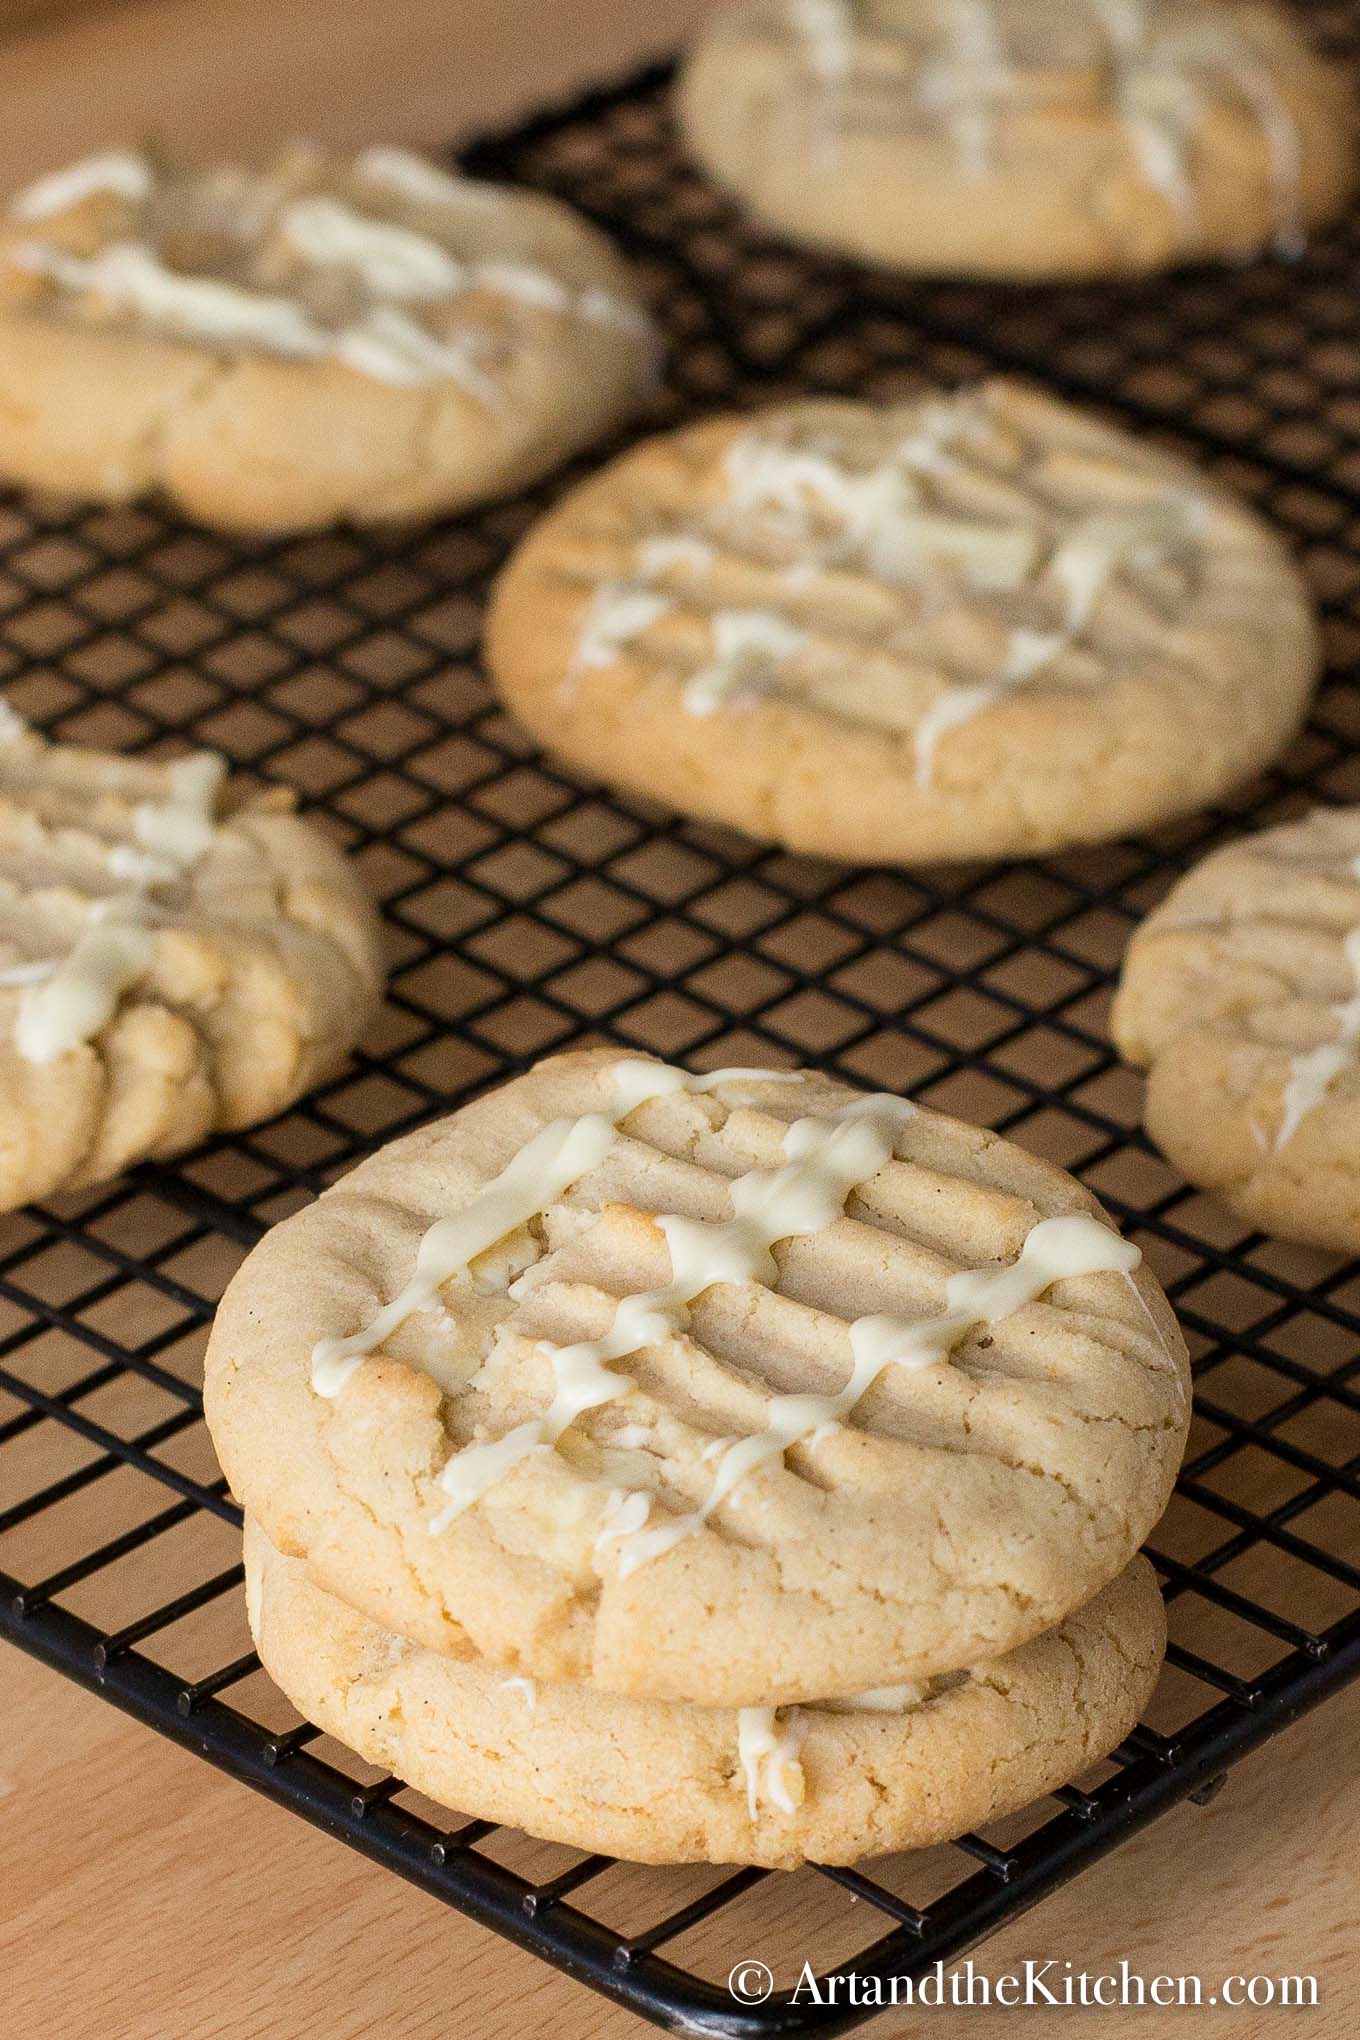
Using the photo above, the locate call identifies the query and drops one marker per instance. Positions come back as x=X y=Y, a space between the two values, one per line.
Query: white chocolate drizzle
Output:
x=878 y=512
x=1161 y=106
x=877 y=517
x=392 y=264
x=398 y=263
x=81 y=993
x=394 y=348
x=827 y=1160
x=142 y=869
x=526 y=1688
x=1225 y=48
x=826 y=31
x=620 y=612
x=66 y=1000
x=558 y=1156
x=1157 y=108
x=770 y=1741
x=176 y=832
x=19 y=974
x=622 y=1514
x=413 y=177
x=1055 y=1250
x=391 y=261
x=117 y=172
x=749 y=645
x=1162 y=61
x=1081 y=564
x=127 y=273
x=385 y=344
x=681 y=550
x=976 y=67
x=1312 y=1074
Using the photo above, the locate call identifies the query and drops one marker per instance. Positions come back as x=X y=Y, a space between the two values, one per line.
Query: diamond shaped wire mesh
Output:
x=527 y=911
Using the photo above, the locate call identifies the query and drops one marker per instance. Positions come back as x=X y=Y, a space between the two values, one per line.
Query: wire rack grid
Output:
x=528 y=911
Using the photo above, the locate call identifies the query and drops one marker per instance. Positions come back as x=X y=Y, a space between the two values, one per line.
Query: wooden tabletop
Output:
x=237 y=76
x=146 y=1896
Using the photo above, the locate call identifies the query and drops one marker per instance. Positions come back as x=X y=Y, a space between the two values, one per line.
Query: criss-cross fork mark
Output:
x=734 y=584
x=938 y=1210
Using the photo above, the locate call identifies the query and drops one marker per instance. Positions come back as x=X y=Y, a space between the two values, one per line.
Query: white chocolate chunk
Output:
x=769 y=1741
x=877 y=1700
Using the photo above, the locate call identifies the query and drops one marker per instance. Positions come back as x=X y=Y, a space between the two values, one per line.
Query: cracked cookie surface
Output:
x=737 y=1389
x=981 y=624
x=1023 y=138
x=172 y=962
x=669 y=1783
x=366 y=338
x=1241 y=997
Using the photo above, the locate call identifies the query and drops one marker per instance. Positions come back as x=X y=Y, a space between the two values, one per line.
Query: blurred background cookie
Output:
x=1241 y=997
x=982 y=624
x=363 y=338
x=1023 y=138
x=166 y=968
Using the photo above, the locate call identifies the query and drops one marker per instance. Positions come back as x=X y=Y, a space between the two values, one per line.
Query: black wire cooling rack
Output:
x=527 y=910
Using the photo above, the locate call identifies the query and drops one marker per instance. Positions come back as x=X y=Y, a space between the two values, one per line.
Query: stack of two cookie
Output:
x=728 y=1468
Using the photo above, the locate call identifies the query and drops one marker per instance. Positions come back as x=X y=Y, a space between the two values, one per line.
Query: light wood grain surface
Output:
x=149 y=1898
x=143 y=1896
x=236 y=75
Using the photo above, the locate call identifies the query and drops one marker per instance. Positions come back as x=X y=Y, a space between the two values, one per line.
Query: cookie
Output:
x=1241 y=997
x=735 y=1389
x=1028 y=139
x=660 y=1782
x=977 y=625
x=171 y=964
x=368 y=338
